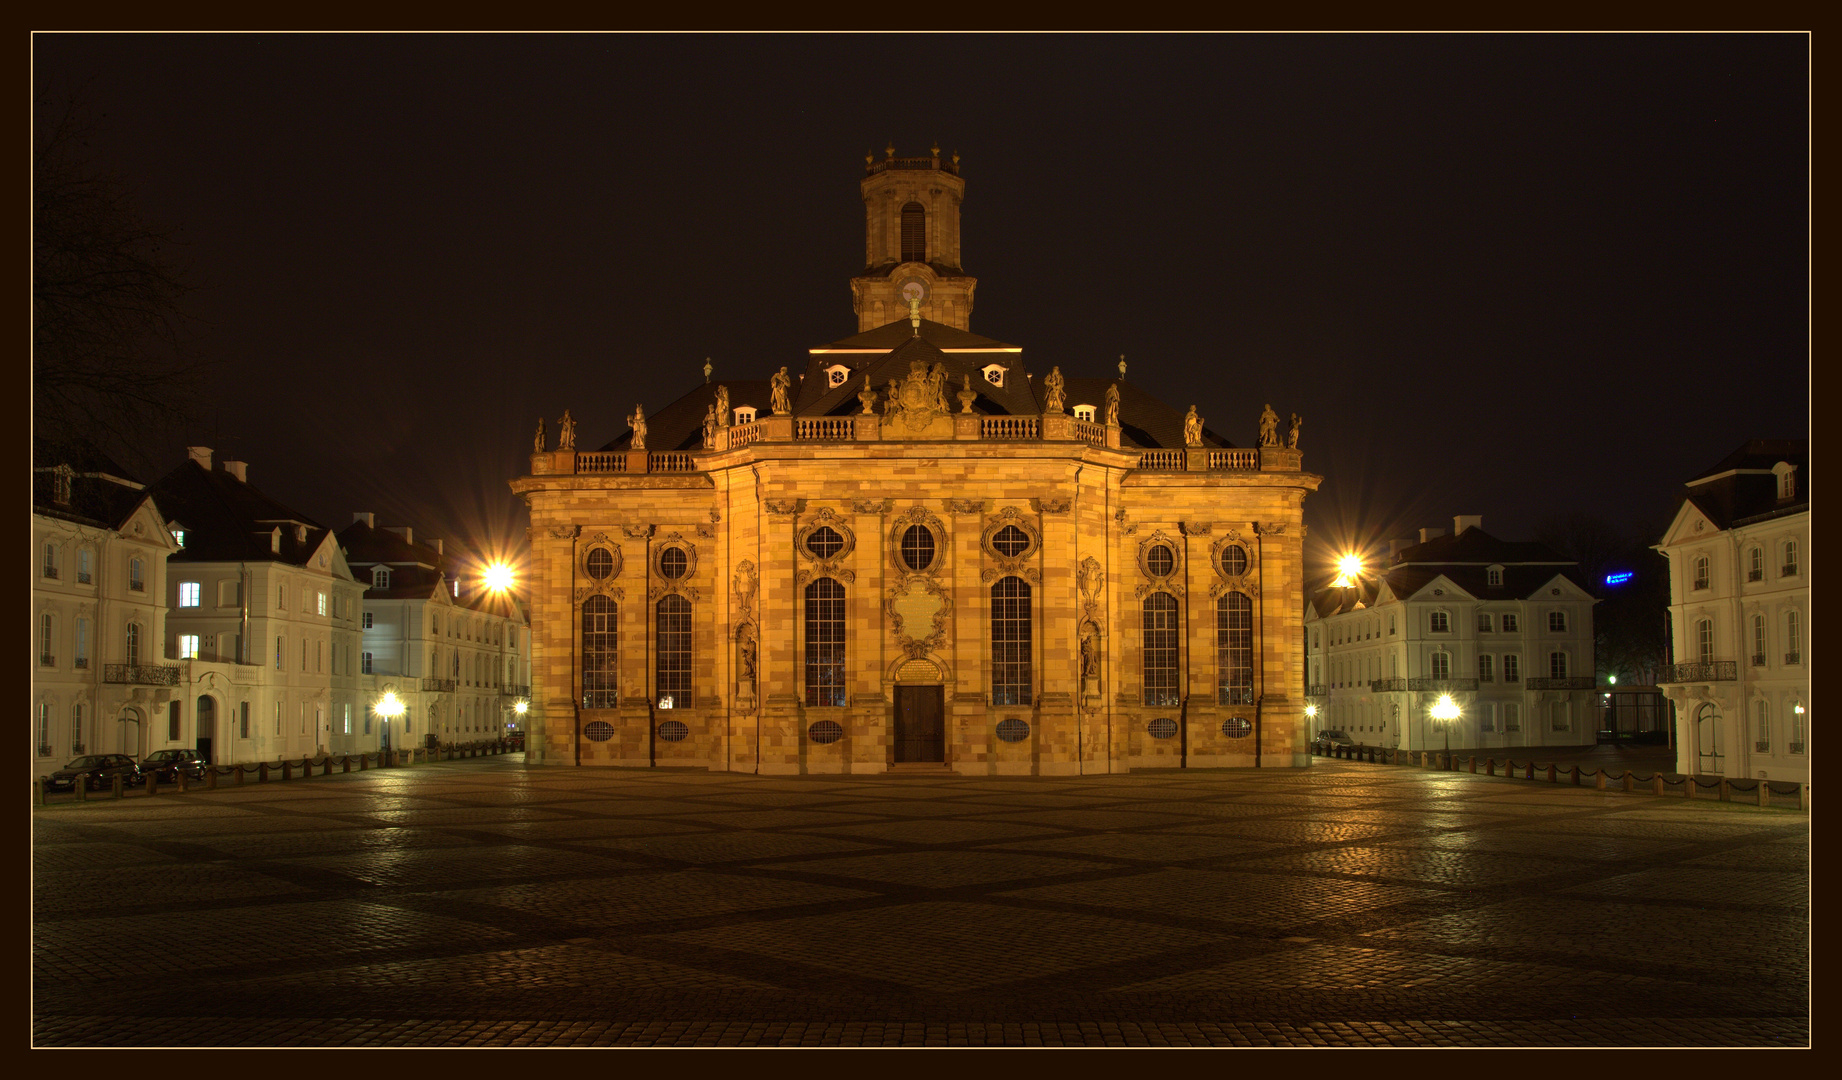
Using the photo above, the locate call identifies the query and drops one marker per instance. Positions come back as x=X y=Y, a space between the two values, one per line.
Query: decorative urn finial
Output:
x=708 y=368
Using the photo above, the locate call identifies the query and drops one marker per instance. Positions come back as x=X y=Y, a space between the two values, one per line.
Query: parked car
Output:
x=165 y=764
x=103 y=769
x=514 y=741
x=1333 y=738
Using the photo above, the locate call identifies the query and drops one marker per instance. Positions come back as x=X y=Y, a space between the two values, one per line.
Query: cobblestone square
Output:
x=486 y=903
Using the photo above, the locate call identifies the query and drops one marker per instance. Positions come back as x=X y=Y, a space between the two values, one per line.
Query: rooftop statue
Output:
x=1054 y=397
x=565 y=432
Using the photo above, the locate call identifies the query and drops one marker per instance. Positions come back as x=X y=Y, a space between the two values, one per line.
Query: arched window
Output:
x=1761 y=726
x=1755 y=564
x=380 y=577
x=914 y=233
x=1701 y=573
x=1758 y=641
x=1704 y=640
x=1234 y=649
x=825 y=642
x=674 y=649
x=1010 y=642
x=1159 y=645
x=1790 y=559
x=132 y=651
x=1793 y=638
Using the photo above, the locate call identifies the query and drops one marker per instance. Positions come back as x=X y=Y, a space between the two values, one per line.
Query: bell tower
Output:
x=911 y=242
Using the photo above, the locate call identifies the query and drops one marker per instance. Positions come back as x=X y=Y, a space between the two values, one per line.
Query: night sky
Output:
x=1518 y=276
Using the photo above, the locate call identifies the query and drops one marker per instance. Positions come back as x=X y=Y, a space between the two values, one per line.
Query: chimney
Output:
x=435 y=542
x=200 y=454
x=1466 y=521
x=367 y=517
x=1428 y=534
x=404 y=531
x=1395 y=547
x=238 y=469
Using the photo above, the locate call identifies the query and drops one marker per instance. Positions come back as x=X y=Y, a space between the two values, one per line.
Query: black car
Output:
x=103 y=769
x=164 y=764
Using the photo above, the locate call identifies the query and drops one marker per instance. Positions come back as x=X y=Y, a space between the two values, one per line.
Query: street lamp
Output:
x=1349 y=567
x=1445 y=710
x=498 y=576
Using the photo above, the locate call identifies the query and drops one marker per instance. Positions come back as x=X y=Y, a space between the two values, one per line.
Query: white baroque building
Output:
x=1739 y=590
x=99 y=681
x=1504 y=628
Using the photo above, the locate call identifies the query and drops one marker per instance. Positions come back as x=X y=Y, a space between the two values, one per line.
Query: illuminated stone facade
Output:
x=913 y=553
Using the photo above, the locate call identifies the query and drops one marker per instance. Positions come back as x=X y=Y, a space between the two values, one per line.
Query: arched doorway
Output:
x=1710 y=745
x=128 y=731
x=920 y=713
x=207 y=725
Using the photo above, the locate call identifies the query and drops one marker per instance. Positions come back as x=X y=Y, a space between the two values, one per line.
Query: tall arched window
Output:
x=674 y=650
x=1159 y=662
x=825 y=642
x=1701 y=573
x=1793 y=638
x=600 y=653
x=132 y=652
x=1761 y=726
x=1010 y=642
x=914 y=233
x=1234 y=649
x=1758 y=640
x=1704 y=640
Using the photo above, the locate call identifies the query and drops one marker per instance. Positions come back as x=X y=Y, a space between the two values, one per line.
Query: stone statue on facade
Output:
x=1292 y=435
x=638 y=423
x=1192 y=428
x=538 y=447
x=748 y=659
x=782 y=385
x=1090 y=655
x=1112 y=405
x=937 y=378
x=722 y=406
x=1053 y=396
x=1269 y=427
x=710 y=427
x=565 y=432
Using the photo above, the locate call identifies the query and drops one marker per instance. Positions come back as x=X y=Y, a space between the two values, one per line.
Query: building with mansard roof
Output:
x=1739 y=605
x=912 y=548
x=1504 y=628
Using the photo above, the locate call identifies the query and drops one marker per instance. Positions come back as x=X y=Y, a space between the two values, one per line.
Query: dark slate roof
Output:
x=1751 y=494
x=680 y=425
x=1144 y=421
x=1014 y=398
x=416 y=570
x=940 y=335
x=1464 y=560
x=94 y=500
x=228 y=520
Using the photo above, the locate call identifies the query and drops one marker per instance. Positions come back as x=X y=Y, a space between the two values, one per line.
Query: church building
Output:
x=911 y=551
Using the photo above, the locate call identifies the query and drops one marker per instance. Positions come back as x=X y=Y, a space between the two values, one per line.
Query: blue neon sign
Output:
x=1619 y=578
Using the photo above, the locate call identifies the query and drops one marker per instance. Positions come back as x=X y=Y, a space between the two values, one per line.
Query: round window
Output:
x=1160 y=561
x=1237 y=727
x=600 y=563
x=674 y=731
x=1011 y=541
x=825 y=732
x=673 y=562
x=598 y=731
x=824 y=542
x=1234 y=560
x=917 y=548
x=1161 y=728
x=1011 y=729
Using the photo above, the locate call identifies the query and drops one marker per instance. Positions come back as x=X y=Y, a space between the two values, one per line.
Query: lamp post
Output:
x=390 y=709
x=1444 y=711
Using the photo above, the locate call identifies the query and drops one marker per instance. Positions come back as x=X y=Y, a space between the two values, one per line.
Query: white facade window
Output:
x=366 y=621
x=1441 y=623
x=134 y=576
x=281 y=597
x=836 y=374
x=1790 y=559
x=1557 y=665
x=994 y=374
x=1494 y=576
x=1512 y=668
x=1509 y=622
x=322 y=605
x=51 y=561
x=1761 y=726
x=1484 y=622
x=1787 y=481
x=188 y=594
x=1084 y=412
x=44 y=729
x=367 y=664
x=1758 y=641
x=278 y=654
x=745 y=414
x=83 y=643
x=1442 y=665
x=188 y=646
x=47 y=639
x=1562 y=717
x=1701 y=573
x=380 y=577
x=1487 y=717
x=1755 y=564
x=1391 y=623
x=86 y=564
x=131 y=645
x=1557 y=622
x=278 y=718
x=1704 y=640
x=1512 y=715
x=1486 y=668
x=1795 y=713
x=1793 y=638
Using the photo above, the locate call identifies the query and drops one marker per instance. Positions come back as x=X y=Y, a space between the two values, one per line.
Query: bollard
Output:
x=1627 y=781
x=1803 y=796
x=1576 y=776
x=82 y=787
x=262 y=772
x=1765 y=793
x=117 y=786
x=1598 y=779
x=238 y=774
x=345 y=765
x=1529 y=773
x=362 y=759
x=1552 y=778
x=1490 y=766
x=1657 y=784
x=179 y=778
x=327 y=767
x=1688 y=786
x=1726 y=790
x=153 y=784
x=210 y=778
x=1473 y=760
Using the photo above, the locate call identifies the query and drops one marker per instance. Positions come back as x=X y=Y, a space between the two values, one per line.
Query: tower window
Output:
x=673 y=671
x=1234 y=649
x=917 y=547
x=1010 y=642
x=1159 y=650
x=914 y=233
x=600 y=653
x=825 y=643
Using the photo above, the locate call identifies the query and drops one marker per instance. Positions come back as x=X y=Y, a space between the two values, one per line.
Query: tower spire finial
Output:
x=1122 y=365
x=708 y=368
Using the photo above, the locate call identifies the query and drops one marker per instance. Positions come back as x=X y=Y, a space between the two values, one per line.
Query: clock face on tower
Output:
x=912 y=289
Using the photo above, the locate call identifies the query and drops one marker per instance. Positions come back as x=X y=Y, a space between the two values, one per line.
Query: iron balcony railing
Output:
x=1383 y=686
x=1443 y=686
x=1316 y=690
x=441 y=685
x=141 y=674
x=1575 y=682
x=514 y=690
x=1705 y=671
x=1791 y=658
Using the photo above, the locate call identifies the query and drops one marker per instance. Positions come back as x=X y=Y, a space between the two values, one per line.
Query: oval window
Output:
x=824 y=542
x=1160 y=561
x=1161 y=728
x=600 y=564
x=918 y=548
x=1234 y=560
x=674 y=731
x=1011 y=729
x=598 y=731
x=1011 y=541
x=1237 y=727
x=673 y=562
x=825 y=732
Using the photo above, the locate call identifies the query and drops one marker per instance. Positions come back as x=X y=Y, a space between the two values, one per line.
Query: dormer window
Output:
x=836 y=375
x=745 y=414
x=60 y=484
x=1787 y=479
x=1084 y=412
x=994 y=374
x=1494 y=577
x=275 y=539
x=300 y=534
x=179 y=537
x=380 y=577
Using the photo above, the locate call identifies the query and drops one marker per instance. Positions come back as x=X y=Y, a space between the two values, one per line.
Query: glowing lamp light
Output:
x=498 y=577
x=389 y=707
x=1311 y=711
x=522 y=707
x=1348 y=567
x=1799 y=710
x=1444 y=711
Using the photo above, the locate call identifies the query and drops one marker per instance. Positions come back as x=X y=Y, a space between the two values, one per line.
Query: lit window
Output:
x=322 y=605
x=825 y=642
x=188 y=646
x=1084 y=412
x=366 y=620
x=745 y=414
x=1701 y=573
x=1234 y=649
x=179 y=537
x=1159 y=650
x=1796 y=715
x=188 y=594
x=1011 y=674
x=1557 y=621
x=1442 y=623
